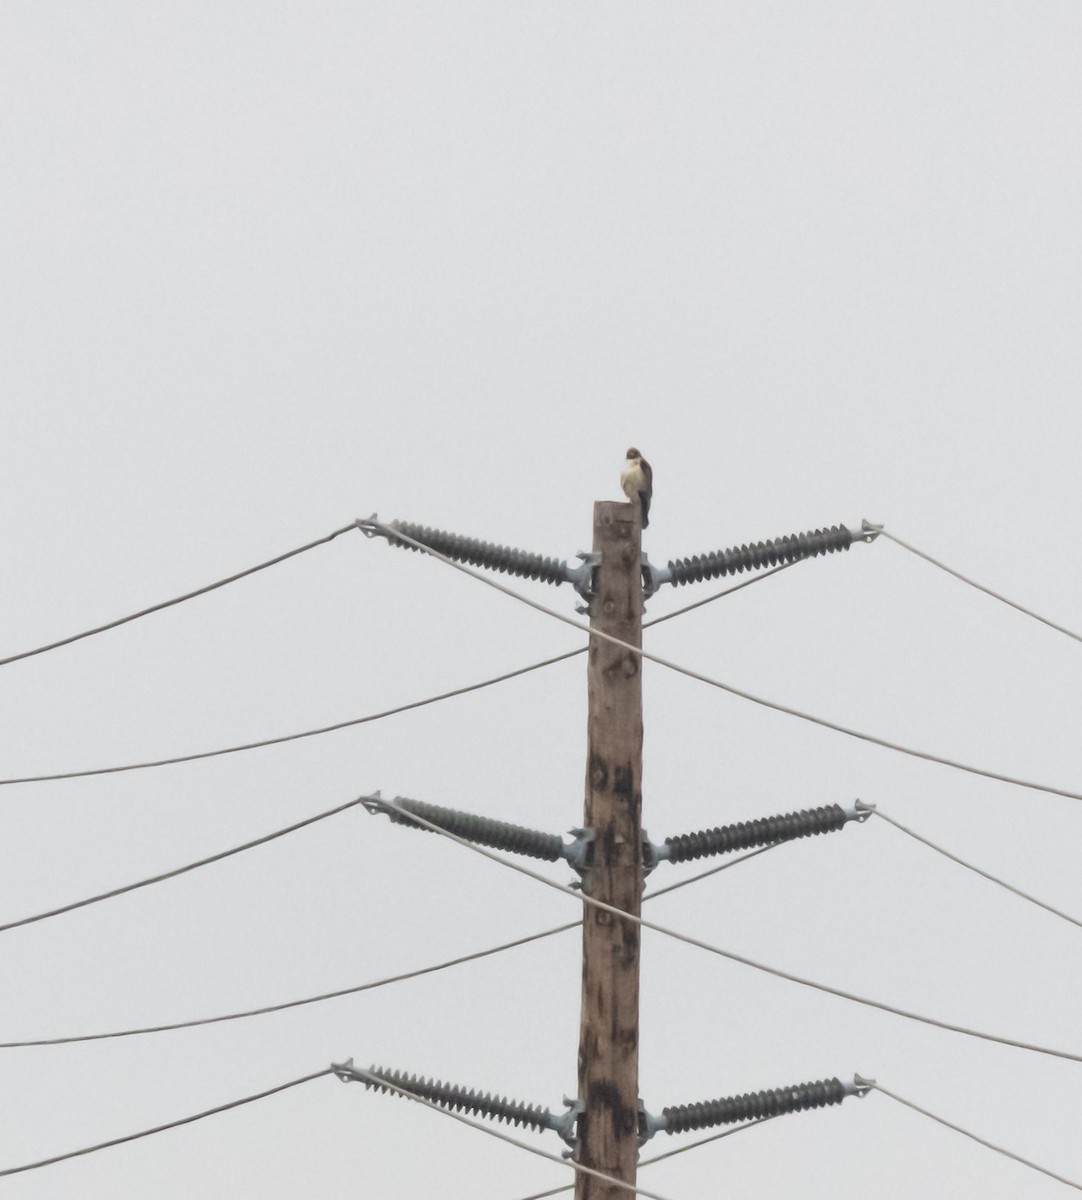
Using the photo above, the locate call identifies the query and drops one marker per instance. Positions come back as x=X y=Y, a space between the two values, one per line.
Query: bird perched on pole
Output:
x=637 y=480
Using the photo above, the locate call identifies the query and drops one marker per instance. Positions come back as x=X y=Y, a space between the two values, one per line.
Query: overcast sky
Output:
x=269 y=267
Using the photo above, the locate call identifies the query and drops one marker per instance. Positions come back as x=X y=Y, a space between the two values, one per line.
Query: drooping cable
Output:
x=199 y=1116
x=372 y=985
x=980 y=586
x=202 y=862
x=975 y=869
x=210 y=587
x=749 y=962
x=646 y=1162
x=745 y=695
x=672 y=887
x=974 y=1137
x=713 y=1137
x=377 y=716
x=347 y=1071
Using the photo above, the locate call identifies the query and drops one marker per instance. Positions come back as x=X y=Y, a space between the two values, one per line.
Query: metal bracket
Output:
x=344 y=1071
x=577 y=854
x=861 y=810
x=870 y=531
x=652 y=854
x=373 y=803
x=860 y=1086
x=367 y=525
x=581 y=577
x=649 y=1124
x=653 y=577
x=566 y=1123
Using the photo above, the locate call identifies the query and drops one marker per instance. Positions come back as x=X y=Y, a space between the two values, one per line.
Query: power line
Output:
x=646 y=1162
x=360 y=987
x=973 y=1137
x=975 y=869
x=672 y=887
x=378 y=716
x=714 y=1137
x=457 y=961
x=735 y=691
x=292 y=737
x=348 y=1070
x=131 y=1137
x=202 y=862
x=980 y=586
x=210 y=587
x=740 y=958
x=273 y=1008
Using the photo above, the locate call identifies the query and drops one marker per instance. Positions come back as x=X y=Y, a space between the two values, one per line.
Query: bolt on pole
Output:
x=609 y=1031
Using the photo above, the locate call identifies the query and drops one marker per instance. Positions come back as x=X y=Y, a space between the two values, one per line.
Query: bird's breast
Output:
x=631 y=479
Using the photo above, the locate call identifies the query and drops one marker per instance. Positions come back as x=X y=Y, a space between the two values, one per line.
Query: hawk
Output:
x=637 y=480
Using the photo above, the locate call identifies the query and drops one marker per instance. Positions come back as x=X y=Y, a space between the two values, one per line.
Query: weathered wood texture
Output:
x=609 y=1037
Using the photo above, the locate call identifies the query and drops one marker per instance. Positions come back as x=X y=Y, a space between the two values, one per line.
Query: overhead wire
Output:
x=647 y=1162
x=713 y=1137
x=462 y=959
x=202 y=591
x=974 y=1137
x=172 y=874
x=974 y=868
x=377 y=716
x=372 y=985
x=979 y=586
x=578 y=1168
x=733 y=956
x=199 y=1116
x=727 y=687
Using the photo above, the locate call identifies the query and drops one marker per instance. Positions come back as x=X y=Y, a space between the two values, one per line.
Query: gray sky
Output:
x=268 y=267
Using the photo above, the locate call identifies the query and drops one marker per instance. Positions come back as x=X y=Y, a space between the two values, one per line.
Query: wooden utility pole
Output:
x=609 y=1033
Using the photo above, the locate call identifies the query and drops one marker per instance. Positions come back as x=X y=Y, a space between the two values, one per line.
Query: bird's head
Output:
x=633 y=455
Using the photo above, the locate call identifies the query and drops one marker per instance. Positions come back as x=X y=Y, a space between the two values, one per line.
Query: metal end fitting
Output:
x=653 y=577
x=649 y=1124
x=578 y=853
x=859 y=1087
x=869 y=530
x=582 y=578
x=566 y=1123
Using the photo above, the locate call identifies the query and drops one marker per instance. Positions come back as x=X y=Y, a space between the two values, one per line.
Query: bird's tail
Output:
x=644 y=504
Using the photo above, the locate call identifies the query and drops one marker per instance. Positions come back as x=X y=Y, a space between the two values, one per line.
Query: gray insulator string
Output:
x=687 y=939
x=346 y=1071
x=745 y=695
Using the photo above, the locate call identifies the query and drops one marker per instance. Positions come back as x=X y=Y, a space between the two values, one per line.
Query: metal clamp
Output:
x=652 y=854
x=577 y=853
x=583 y=577
x=566 y=1123
x=649 y=1124
x=869 y=530
x=653 y=577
